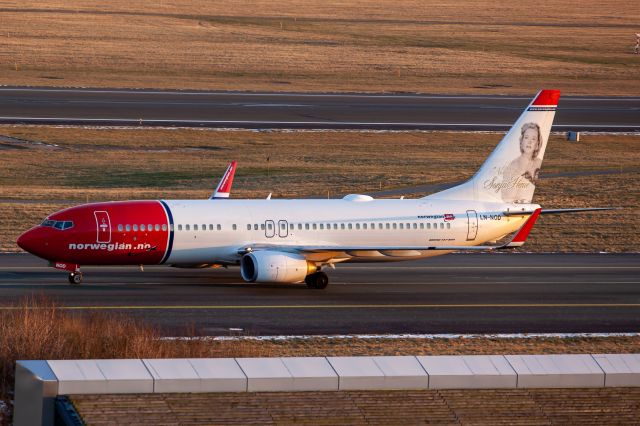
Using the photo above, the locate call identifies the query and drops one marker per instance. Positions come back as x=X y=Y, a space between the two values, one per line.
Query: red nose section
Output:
x=24 y=242
x=115 y=233
x=35 y=241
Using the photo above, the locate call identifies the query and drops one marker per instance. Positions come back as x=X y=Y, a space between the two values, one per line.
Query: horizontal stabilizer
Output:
x=559 y=211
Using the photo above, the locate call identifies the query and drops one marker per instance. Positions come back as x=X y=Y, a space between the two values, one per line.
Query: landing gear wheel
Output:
x=319 y=280
x=75 y=278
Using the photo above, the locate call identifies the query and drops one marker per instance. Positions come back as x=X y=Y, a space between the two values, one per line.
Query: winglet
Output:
x=524 y=231
x=224 y=187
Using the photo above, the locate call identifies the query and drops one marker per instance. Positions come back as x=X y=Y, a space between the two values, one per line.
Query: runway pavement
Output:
x=116 y=107
x=457 y=293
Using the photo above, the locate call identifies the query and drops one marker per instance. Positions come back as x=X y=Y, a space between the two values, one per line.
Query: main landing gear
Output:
x=75 y=277
x=317 y=280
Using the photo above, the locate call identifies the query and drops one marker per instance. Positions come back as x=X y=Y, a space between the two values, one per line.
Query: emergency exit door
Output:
x=472 y=225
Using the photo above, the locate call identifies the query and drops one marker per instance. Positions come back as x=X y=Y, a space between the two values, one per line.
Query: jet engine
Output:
x=275 y=267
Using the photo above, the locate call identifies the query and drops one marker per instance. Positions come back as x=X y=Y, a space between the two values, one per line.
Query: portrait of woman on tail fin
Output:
x=520 y=176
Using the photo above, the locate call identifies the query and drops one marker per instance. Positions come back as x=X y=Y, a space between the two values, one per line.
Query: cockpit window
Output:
x=57 y=224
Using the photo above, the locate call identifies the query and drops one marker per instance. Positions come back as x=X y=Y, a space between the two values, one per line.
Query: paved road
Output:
x=458 y=293
x=302 y=111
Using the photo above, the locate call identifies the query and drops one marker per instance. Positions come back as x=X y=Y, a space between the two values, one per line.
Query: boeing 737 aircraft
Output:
x=290 y=241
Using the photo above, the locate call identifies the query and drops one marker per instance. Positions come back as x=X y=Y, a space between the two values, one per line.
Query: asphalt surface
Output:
x=457 y=293
x=302 y=111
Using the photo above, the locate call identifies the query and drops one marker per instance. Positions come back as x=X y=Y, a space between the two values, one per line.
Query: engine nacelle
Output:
x=275 y=267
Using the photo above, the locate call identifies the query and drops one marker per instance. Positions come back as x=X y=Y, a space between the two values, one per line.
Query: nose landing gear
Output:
x=75 y=277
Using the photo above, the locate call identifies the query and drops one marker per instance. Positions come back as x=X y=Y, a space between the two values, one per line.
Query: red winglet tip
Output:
x=547 y=97
x=227 y=179
x=523 y=233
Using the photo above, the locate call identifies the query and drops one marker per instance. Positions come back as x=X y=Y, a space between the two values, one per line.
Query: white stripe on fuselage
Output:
x=220 y=246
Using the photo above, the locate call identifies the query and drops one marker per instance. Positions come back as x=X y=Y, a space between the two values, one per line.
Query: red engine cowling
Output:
x=275 y=267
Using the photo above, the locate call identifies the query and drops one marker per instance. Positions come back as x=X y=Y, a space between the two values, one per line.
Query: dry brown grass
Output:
x=36 y=329
x=118 y=164
x=294 y=45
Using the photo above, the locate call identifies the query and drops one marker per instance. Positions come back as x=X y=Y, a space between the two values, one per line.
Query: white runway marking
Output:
x=413 y=336
x=306 y=123
x=284 y=94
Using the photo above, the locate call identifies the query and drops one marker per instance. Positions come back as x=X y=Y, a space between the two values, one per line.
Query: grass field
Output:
x=117 y=164
x=427 y=46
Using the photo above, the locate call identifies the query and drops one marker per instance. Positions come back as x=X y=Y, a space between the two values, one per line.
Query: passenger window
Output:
x=421 y=225
x=164 y=227
x=299 y=227
x=350 y=226
x=388 y=226
x=448 y=226
x=269 y=226
x=219 y=227
x=142 y=227
x=291 y=226
x=150 y=227
x=395 y=225
x=357 y=226
x=415 y=226
x=342 y=226
x=335 y=226
x=128 y=228
x=204 y=227
x=248 y=227
x=442 y=226
x=322 y=226
x=135 y=227
x=158 y=227
x=306 y=226
x=255 y=227
x=195 y=227
x=186 y=227
x=435 y=226
x=402 y=226
x=234 y=227
x=428 y=226
x=315 y=226
x=211 y=227
x=364 y=226
x=120 y=228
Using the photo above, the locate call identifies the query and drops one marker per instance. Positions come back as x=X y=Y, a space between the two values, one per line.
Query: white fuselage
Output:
x=209 y=232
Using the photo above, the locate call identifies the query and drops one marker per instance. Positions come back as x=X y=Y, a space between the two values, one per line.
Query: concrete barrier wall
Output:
x=38 y=382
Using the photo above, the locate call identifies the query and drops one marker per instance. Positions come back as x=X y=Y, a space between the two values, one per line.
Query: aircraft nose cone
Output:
x=26 y=241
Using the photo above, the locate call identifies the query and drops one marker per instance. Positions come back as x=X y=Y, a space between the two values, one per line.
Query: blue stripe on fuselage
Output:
x=170 y=244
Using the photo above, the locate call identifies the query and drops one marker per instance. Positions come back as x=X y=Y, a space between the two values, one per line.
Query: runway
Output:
x=458 y=293
x=113 y=107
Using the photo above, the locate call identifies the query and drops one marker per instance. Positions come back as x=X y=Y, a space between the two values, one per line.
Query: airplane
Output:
x=293 y=241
